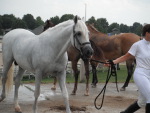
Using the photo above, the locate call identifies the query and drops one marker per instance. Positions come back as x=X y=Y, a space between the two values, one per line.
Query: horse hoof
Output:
x=2 y=98
x=73 y=93
x=93 y=85
x=18 y=109
x=123 y=89
x=53 y=88
x=86 y=94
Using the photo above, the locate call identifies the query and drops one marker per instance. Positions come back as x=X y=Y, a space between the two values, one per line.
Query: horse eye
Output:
x=79 y=33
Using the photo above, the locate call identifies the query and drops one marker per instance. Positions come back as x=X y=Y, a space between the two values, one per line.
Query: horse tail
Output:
x=9 y=82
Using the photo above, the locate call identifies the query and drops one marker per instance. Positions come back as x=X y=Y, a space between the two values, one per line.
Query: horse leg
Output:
x=7 y=64
x=118 y=68
x=76 y=76
x=54 y=86
x=86 y=64
x=94 y=79
x=62 y=84
x=38 y=78
x=130 y=67
x=17 y=84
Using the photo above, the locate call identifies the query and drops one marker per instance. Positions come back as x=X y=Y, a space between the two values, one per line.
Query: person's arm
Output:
x=123 y=58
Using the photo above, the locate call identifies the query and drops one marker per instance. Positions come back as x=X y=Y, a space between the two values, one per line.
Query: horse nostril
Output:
x=89 y=52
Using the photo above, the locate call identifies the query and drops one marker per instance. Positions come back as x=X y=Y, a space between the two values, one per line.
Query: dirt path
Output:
x=52 y=102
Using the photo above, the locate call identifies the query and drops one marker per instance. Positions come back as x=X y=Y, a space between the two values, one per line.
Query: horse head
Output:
x=48 y=24
x=81 y=38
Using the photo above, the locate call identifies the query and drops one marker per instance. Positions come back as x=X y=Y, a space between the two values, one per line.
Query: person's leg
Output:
x=132 y=108
x=143 y=84
x=136 y=105
x=147 y=109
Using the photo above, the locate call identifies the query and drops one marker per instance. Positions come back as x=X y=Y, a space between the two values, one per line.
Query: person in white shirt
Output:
x=141 y=52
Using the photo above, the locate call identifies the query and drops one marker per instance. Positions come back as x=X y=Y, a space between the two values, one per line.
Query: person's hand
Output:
x=107 y=64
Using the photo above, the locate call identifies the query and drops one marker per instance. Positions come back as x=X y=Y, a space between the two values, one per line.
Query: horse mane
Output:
x=93 y=29
x=97 y=50
x=60 y=26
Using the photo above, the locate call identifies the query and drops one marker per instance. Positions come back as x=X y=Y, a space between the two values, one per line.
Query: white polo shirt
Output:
x=141 y=51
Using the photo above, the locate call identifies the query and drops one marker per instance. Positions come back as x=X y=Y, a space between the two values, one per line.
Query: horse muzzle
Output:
x=87 y=51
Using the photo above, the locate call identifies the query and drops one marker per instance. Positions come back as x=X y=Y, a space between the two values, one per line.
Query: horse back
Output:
x=16 y=34
x=15 y=44
x=127 y=40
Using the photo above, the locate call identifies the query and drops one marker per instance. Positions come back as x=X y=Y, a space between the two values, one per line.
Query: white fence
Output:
x=69 y=70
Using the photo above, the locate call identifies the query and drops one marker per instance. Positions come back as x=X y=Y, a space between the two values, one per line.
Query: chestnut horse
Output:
x=102 y=45
x=111 y=47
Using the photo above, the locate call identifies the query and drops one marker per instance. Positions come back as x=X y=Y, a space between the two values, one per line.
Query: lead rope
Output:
x=111 y=72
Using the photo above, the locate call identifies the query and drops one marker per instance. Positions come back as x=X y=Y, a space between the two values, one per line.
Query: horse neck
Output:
x=94 y=31
x=106 y=43
x=59 y=38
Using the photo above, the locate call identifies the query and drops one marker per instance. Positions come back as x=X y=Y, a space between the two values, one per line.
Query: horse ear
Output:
x=75 y=19
x=46 y=21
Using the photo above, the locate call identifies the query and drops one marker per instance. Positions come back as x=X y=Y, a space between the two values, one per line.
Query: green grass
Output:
x=121 y=76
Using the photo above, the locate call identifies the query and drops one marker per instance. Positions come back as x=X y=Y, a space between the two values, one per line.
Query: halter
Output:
x=75 y=37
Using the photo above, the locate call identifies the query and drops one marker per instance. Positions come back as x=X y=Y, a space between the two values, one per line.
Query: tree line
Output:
x=9 y=21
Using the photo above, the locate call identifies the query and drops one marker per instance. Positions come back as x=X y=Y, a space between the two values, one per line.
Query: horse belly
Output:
x=52 y=66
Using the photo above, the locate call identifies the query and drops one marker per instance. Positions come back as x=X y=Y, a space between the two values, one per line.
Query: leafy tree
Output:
x=136 y=28
x=39 y=21
x=30 y=21
x=55 y=20
x=1 y=31
x=66 y=17
x=112 y=26
x=91 y=20
x=124 y=28
x=7 y=21
x=102 y=25
x=18 y=23
x=1 y=21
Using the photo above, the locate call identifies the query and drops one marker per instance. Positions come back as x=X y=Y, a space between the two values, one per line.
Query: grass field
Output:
x=102 y=74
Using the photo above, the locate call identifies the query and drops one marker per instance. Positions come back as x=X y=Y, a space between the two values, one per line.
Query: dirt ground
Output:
x=52 y=101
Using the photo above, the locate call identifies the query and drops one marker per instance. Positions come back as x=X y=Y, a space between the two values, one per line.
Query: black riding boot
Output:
x=132 y=108
x=147 y=110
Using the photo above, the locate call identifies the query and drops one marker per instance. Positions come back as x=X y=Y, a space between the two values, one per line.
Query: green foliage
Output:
x=7 y=21
x=28 y=22
x=112 y=26
x=18 y=23
x=124 y=28
x=102 y=25
x=136 y=28
x=1 y=21
x=39 y=21
x=66 y=17
x=55 y=20
x=1 y=32
x=91 y=20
